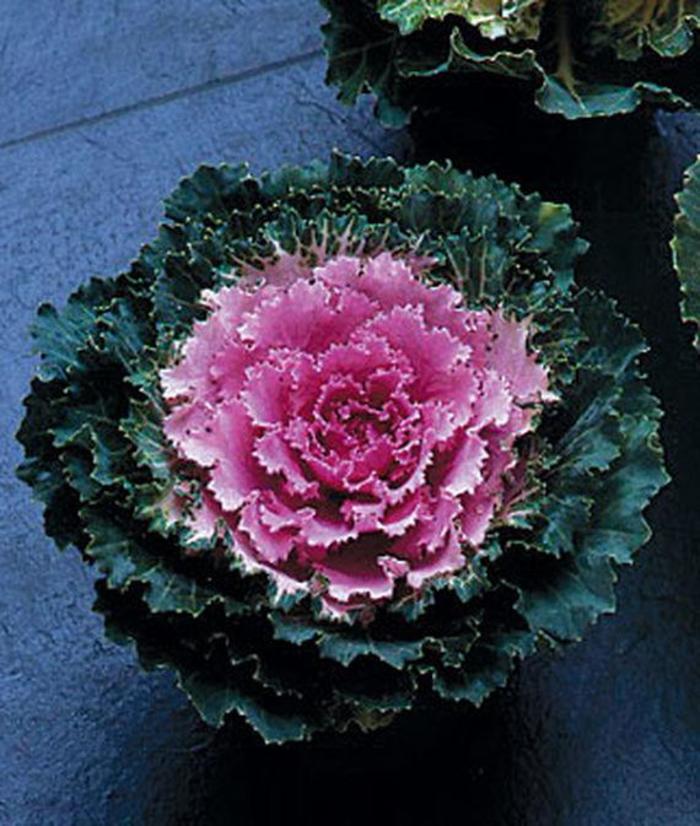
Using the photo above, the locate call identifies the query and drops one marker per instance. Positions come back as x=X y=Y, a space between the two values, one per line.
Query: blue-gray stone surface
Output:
x=104 y=105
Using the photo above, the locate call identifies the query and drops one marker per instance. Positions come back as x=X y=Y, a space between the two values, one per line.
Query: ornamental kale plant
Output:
x=344 y=437
x=580 y=58
x=686 y=247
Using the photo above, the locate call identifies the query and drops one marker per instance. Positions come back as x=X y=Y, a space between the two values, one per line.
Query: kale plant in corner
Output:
x=686 y=247
x=580 y=58
x=343 y=438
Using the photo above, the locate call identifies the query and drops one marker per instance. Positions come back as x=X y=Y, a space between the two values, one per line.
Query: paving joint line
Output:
x=161 y=100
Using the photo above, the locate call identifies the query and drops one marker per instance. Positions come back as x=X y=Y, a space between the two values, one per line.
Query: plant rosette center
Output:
x=351 y=430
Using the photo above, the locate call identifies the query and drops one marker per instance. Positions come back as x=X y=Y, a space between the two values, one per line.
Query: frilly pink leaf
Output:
x=353 y=426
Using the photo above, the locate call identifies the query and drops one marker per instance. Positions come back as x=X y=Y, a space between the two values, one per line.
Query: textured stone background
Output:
x=103 y=106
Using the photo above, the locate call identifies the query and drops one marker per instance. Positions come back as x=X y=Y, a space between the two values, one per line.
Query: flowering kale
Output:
x=686 y=246
x=580 y=58
x=344 y=435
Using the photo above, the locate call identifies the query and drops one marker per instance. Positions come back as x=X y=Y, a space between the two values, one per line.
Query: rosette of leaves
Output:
x=686 y=247
x=580 y=58
x=98 y=459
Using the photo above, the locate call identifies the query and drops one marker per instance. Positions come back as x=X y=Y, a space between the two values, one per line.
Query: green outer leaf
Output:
x=358 y=63
x=121 y=554
x=593 y=100
x=60 y=337
x=487 y=670
x=214 y=701
x=686 y=247
x=345 y=647
x=571 y=598
x=599 y=520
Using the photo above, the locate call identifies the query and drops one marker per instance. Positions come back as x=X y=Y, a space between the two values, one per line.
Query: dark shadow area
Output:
x=423 y=769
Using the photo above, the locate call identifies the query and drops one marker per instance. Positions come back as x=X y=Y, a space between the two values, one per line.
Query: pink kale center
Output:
x=355 y=429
